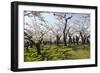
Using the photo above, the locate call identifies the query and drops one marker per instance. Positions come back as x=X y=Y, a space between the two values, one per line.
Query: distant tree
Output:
x=70 y=39
x=73 y=39
x=82 y=27
x=77 y=39
x=64 y=20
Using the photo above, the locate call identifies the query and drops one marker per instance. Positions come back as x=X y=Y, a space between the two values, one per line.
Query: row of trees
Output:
x=66 y=28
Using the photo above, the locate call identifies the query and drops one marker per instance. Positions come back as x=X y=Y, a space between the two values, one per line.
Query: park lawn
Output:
x=60 y=52
x=79 y=54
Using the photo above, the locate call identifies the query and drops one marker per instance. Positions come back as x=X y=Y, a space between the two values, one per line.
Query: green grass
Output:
x=53 y=52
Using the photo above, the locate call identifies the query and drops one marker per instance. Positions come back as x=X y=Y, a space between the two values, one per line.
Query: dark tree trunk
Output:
x=38 y=48
x=31 y=44
x=50 y=41
x=26 y=45
x=64 y=39
x=64 y=33
x=70 y=39
x=73 y=40
x=77 y=39
x=83 y=38
x=88 y=40
x=57 y=39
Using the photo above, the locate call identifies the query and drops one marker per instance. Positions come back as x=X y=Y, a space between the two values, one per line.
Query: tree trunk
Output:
x=70 y=39
x=64 y=33
x=57 y=39
x=38 y=48
x=82 y=38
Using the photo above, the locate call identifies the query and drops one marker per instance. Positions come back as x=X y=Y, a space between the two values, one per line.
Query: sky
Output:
x=52 y=20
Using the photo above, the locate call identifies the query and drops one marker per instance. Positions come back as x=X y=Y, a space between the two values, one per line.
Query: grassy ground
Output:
x=53 y=52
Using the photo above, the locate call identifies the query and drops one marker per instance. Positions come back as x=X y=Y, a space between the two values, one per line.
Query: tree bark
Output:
x=57 y=39
x=64 y=33
x=38 y=48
